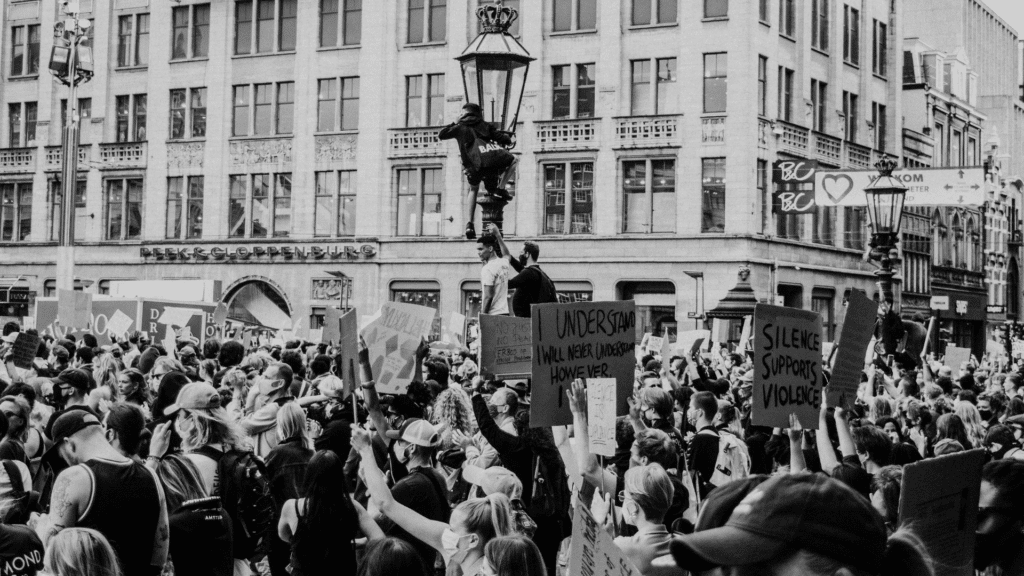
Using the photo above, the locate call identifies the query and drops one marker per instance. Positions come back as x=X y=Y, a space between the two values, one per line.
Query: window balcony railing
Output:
x=794 y=138
x=828 y=148
x=55 y=157
x=566 y=134
x=647 y=131
x=17 y=160
x=858 y=156
x=123 y=155
x=410 y=142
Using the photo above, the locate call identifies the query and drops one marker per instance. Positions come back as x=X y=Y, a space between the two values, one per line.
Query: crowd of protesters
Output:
x=216 y=459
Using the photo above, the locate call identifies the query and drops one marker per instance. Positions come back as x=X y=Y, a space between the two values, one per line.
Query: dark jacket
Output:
x=469 y=128
x=286 y=464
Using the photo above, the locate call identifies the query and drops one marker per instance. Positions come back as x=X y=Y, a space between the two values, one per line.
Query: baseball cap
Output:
x=195 y=396
x=494 y=480
x=75 y=378
x=72 y=422
x=416 y=431
x=807 y=511
x=331 y=386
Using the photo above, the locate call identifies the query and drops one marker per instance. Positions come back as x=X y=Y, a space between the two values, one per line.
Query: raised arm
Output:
x=826 y=453
x=588 y=464
x=797 y=464
x=846 y=445
x=502 y=441
x=380 y=422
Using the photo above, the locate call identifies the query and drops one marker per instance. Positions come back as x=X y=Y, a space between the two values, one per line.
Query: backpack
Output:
x=549 y=487
x=547 y=292
x=733 y=462
x=19 y=501
x=246 y=494
x=488 y=155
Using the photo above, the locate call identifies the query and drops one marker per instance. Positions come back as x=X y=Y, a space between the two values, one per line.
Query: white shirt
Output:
x=496 y=274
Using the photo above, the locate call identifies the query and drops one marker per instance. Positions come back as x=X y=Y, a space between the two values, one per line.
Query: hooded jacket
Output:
x=470 y=127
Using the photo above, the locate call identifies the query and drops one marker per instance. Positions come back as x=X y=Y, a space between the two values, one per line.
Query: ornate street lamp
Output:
x=885 y=197
x=494 y=68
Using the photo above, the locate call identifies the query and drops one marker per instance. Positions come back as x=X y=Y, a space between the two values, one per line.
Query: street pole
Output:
x=69 y=150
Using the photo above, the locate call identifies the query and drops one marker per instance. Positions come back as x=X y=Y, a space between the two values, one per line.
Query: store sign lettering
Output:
x=961 y=307
x=219 y=253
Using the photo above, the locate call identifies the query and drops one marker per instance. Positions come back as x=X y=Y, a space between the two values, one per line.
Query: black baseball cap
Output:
x=74 y=420
x=808 y=511
x=75 y=378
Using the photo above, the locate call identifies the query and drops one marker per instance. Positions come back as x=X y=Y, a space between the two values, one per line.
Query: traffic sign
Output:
x=925 y=186
x=940 y=303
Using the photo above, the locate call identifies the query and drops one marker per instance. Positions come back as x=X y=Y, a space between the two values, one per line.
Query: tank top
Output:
x=124 y=507
x=338 y=559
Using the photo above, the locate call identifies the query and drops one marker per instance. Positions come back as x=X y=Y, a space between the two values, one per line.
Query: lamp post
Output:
x=885 y=198
x=494 y=68
x=71 y=63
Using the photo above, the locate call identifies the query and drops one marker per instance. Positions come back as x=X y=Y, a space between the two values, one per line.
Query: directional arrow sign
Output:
x=925 y=186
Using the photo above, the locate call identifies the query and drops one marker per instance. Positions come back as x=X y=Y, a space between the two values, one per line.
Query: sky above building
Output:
x=1012 y=11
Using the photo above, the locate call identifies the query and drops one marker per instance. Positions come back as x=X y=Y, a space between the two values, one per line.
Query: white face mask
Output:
x=450 y=542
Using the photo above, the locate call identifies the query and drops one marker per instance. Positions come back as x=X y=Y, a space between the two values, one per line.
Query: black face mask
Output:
x=997 y=538
x=524 y=259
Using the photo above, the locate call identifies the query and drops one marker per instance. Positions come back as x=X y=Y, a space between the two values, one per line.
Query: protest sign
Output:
x=858 y=326
x=28 y=322
x=601 y=416
x=103 y=310
x=169 y=342
x=505 y=345
x=392 y=339
x=592 y=552
x=349 y=350
x=24 y=349
x=745 y=334
x=177 y=316
x=689 y=341
x=74 y=308
x=316 y=334
x=119 y=324
x=200 y=323
x=955 y=357
x=720 y=330
x=457 y=328
x=220 y=314
x=787 y=366
x=332 y=325
x=654 y=344
x=939 y=498
x=580 y=340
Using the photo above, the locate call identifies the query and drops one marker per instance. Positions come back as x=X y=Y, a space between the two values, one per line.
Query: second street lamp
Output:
x=885 y=198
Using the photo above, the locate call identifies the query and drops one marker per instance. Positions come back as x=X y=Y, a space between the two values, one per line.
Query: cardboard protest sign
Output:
x=601 y=416
x=392 y=340
x=592 y=550
x=170 y=343
x=720 y=328
x=688 y=342
x=939 y=498
x=177 y=316
x=654 y=344
x=505 y=345
x=787 y=366
x=955 y=357
x=24 y=349
x=74 y=308
x=200 y=323
x=858 y=327
x=103 y=310
x=349 y=350
x=457 y=328
x=28 y=322
x=745 y=334
x=220 y=314
x=332 y=325
x=120 y=323
x=580 y=340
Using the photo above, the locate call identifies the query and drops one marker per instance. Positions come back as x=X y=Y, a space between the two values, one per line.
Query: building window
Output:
x=766 y=201
x=188 y=113
x=335 y=204
x=255 y=23
x=850 y=117
x=713 y=195
x=653 y=95
x=564 y=105
x=851 y=35
x=715 y=82
x=428 y=21
x=260 y=205
x=575 y=216
x=652 y=12
x=341 y=23
x=56 y=205
x=878 y=114
x=574 y=15
x=879 y=53
x=819 y=97
x=419 y=201
x=762 y=11
x=190 y=37
x=122 y=214
x=649 y=196
x=787 y=18
x=25 y=50
x=785 y=94
x=185 y=207
x=421 y=294
x=819 y=24
x=716 y=8
x=132 y=40
x=130 y=111
x=15 y=211
x=256 y=116
x=22 y=118
x=823 y=225
x=337 y=110
x=762 y=85
x=821 y=302
x=424 y=100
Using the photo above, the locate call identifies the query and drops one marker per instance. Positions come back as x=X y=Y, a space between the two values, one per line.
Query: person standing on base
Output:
x=493 y=277
x=532 y=285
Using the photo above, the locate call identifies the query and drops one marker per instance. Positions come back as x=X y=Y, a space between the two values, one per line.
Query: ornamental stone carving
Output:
x=335 y=148
x=248 y=152
x=185 y=155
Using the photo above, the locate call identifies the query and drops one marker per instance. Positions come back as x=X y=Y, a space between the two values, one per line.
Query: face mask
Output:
x=450 y=542
x=691 y=417
x=267 y=386
x=524 y=259
x=985 y=414
x=648 y=416
x=995 y=539
x=629 y=513
x=402 y=452
x=183 y=425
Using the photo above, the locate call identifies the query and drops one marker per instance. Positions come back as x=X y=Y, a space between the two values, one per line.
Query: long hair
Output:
x=139 y=393
x=515 y=555
x=452 y=411
x=972 y=421
x=24 y=411
x=181 y=481
x=214 y=427
x=489 y=517
x=391 y=556
x=80 y=552
x=952 y=427
x=329 y=518
x=291 y=423
x=105 y=374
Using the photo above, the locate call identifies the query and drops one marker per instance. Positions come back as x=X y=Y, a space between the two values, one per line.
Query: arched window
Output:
x=939 y=239
x=971 y=236
x=957 y=238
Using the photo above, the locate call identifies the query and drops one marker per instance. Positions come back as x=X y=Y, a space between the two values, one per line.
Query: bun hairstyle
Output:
x=488 y=517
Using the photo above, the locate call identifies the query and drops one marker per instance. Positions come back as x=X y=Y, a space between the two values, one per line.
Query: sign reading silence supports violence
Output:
x=787 y=366
x=580 y=340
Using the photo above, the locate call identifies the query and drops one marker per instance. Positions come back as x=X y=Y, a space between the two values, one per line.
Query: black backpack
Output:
x=21 y=499
x=547 y=292
x=246 y=494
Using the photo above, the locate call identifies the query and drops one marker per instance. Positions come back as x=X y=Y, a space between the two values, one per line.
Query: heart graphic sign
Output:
x=836 y=186
x=925 y=186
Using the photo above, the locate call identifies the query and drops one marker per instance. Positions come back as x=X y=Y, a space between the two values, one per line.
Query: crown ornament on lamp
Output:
x=496 y=17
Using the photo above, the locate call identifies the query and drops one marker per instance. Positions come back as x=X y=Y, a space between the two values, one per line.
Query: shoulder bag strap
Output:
x=17 y=486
